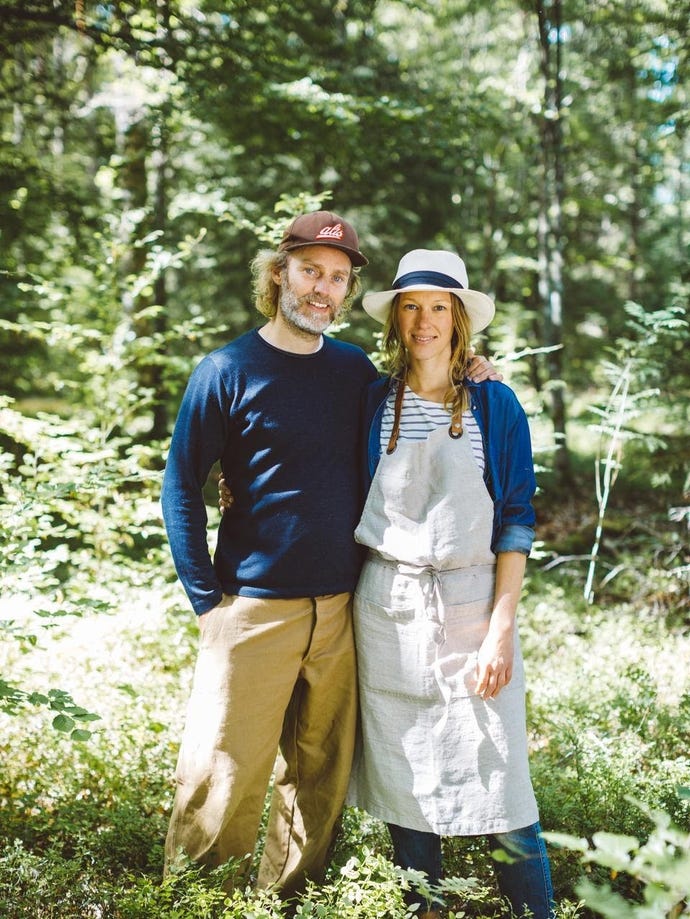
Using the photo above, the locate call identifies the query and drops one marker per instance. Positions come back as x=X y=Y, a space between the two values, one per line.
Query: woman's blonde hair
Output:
x=267 y=293
x=456 y=398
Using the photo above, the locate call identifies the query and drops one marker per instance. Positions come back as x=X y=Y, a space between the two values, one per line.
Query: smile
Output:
x=317 y=304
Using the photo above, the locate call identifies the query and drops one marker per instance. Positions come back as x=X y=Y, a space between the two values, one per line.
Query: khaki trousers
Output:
x=272 y=676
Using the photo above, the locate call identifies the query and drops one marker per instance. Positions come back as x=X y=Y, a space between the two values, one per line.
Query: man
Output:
x=279 y=407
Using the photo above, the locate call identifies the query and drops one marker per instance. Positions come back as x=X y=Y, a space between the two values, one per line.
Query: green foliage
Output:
x=83 y=824
x=192 y=893
x=80 y=486
x=661 y=863
x=13 y=699
x=610 y=726
x=636 y=374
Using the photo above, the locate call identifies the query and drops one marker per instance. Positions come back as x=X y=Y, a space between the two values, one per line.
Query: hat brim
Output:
x=480 y=308
x=358 y=260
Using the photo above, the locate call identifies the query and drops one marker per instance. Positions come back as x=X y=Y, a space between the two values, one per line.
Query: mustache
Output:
x=327 y=301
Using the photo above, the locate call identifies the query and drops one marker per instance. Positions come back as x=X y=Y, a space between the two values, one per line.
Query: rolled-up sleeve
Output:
x=515 y=537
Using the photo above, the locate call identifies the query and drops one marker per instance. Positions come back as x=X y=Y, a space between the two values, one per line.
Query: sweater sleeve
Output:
x=197 y=443
x=518 y=483
x=510 y=468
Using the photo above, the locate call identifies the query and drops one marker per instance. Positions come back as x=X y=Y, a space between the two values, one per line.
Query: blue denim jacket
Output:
x=509 y=472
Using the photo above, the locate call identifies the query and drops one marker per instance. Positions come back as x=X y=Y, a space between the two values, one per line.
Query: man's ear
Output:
x=277 y=276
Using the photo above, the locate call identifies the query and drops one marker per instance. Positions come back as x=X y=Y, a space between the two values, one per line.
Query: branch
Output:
x=44 y=20
x=561 y=559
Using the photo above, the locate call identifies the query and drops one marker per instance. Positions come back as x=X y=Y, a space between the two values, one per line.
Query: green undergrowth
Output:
x=83 y=823
x=84 y=805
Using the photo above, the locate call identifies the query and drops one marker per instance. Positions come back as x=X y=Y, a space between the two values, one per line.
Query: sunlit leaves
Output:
x=661 y=864
x=71 y=719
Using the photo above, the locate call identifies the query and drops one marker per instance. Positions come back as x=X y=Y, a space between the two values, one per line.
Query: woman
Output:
x=448 y=523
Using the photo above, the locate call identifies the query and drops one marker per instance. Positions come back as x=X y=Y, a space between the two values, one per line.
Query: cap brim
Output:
x=357 y=259
x=480 y=308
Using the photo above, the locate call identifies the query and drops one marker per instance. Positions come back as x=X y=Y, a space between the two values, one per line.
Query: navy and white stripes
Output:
x=419 y=418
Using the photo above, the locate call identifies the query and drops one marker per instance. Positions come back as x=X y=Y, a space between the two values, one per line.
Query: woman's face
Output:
x=425 y=321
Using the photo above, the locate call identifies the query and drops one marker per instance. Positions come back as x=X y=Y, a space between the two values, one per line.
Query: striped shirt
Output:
x=419 y=418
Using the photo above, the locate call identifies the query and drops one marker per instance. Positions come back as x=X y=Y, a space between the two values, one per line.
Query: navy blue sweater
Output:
x=285 y=428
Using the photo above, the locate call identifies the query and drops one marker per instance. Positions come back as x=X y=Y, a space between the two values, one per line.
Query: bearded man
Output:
x=279 y=407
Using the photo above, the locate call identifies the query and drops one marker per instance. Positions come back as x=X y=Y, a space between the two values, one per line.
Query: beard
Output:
x=303 y=318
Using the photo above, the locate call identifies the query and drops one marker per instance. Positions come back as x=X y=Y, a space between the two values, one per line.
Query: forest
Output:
x=148 y=150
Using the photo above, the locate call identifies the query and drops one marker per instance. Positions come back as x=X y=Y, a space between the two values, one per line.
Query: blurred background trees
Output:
x=149 y=148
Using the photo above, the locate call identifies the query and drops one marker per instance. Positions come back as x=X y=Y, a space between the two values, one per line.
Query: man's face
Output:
x=313 y=287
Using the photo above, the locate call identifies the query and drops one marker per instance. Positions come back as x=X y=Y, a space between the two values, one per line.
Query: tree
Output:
x=550 y=236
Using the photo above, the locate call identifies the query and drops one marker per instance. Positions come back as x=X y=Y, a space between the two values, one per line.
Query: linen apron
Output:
x=434 y=755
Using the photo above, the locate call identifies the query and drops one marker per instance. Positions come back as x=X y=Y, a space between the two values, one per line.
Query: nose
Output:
x=322 y=285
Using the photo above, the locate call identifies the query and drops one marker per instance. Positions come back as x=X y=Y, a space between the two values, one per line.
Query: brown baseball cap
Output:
x=323 y=228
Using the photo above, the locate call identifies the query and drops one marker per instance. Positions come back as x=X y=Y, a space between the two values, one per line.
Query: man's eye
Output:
x=339 y=279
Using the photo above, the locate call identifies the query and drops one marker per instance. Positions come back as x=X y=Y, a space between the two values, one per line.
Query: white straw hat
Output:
x=429 y=269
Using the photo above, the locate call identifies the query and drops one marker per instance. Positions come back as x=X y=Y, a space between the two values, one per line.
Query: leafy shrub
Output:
x=661 y=864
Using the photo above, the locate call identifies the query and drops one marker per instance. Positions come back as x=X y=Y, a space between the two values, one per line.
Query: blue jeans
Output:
x=525 y=882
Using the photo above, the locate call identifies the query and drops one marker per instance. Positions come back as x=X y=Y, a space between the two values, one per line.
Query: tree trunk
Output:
x=146 y=152
x=159 y=427
x=550 y=234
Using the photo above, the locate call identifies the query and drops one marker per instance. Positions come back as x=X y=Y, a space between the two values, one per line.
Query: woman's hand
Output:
x=497 y=651
x=480 y=369
x=495 y=662
x=225 y=496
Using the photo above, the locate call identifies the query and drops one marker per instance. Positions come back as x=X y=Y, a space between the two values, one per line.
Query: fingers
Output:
x=225 y=496
x=491 y=679
x=480 y=369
